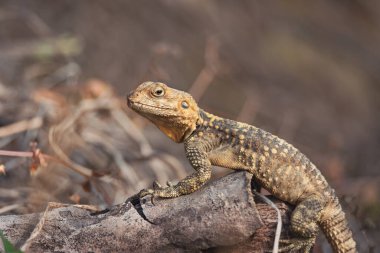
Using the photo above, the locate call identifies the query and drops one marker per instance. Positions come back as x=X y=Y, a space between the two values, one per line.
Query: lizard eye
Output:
x=158 y=92
x=184 y=105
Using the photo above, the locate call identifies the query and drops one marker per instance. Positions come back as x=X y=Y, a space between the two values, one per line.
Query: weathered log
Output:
x=222 y=216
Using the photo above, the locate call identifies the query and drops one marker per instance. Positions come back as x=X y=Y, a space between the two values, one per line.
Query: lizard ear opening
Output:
x=185 y=105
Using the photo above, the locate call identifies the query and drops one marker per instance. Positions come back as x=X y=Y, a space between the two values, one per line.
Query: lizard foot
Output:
x=153 y=192
x=147 y=192
x=296 y=244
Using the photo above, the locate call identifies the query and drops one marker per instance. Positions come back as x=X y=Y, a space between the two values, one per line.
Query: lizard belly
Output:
x=225 y=157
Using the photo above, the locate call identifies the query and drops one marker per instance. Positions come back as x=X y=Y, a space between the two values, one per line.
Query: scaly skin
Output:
x=276 y=165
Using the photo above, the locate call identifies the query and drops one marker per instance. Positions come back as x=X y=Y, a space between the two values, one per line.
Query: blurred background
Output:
x=308 y=73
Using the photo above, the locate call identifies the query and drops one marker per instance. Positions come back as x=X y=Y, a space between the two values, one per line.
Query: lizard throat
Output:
x=176 y=134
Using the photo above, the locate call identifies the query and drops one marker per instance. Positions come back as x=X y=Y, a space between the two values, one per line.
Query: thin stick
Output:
x=16 y=153
x=279 y=221
x=46 y=157
x=209 y=71
x=20 y=126
x=9 y=208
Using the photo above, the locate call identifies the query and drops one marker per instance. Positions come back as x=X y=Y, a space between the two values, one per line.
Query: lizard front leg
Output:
x=199 y=160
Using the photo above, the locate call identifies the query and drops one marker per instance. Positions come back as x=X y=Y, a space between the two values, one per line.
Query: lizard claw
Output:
x=296 y=244
x=147 y=192
x=156 y=185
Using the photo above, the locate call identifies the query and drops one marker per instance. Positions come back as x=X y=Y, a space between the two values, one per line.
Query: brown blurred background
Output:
x=308 y=72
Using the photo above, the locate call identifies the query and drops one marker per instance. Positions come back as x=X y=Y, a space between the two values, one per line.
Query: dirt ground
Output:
x=306 y=72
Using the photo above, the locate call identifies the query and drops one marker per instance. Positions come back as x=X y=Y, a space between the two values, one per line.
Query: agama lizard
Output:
x=276 y=165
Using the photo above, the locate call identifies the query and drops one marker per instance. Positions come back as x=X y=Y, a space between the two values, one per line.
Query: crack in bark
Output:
x=135 y=200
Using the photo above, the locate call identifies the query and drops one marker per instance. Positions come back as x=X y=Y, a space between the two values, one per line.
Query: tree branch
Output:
x=223 y=215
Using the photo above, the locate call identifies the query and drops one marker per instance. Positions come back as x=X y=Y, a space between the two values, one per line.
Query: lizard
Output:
x=275 y=164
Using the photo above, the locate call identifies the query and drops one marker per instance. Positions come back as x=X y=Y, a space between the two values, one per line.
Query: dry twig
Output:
x=209 y=71
x=21 y=126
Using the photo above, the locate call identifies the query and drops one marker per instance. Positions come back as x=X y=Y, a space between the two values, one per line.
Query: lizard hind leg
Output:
x=303 y=225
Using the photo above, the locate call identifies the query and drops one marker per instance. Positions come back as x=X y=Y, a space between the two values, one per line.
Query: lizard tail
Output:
x=335 y=226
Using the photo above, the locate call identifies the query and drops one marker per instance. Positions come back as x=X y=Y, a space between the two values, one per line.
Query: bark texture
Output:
x=223 y=216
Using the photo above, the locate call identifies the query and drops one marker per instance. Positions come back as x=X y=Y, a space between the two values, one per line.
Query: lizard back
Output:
x=278 y=166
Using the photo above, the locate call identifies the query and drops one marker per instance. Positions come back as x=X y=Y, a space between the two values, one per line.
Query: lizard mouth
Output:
x=138 y=105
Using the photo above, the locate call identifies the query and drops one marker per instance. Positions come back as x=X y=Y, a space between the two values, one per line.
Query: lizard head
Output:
x=174 y=112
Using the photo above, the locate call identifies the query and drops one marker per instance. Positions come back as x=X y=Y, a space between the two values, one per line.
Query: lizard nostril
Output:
x=129 y=98
x=130 y=94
